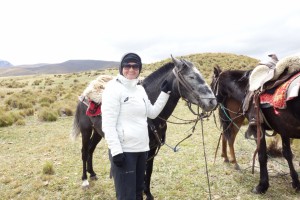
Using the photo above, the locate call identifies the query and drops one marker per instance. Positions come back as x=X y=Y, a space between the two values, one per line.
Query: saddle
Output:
x=94 y=109
x=264 y=73
x=281 y=90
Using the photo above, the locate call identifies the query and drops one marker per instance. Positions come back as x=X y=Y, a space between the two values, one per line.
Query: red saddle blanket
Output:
x=278 y=98
x=94 y=109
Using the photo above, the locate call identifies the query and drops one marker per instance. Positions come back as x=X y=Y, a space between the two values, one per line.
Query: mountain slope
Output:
x=70 y=66
x=4 y=63
x=204 y=62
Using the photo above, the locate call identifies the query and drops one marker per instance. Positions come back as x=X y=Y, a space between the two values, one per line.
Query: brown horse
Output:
x=230 y=107
x=233 y=84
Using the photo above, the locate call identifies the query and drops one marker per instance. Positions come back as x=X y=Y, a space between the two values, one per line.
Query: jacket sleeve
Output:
x=154 y=110
x=110 y=112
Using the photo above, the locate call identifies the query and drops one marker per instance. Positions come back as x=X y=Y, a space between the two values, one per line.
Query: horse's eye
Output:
x=191 y=77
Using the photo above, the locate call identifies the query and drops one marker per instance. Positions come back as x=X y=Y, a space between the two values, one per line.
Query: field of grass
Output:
x=38 y=160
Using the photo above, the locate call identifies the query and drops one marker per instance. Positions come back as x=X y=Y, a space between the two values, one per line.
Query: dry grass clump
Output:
x=47 y=115
x=7 y=118
x=20 y=122
x=48 y=168
x=37 y=82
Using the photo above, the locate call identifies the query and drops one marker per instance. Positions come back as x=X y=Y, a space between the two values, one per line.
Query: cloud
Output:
x=58 y=30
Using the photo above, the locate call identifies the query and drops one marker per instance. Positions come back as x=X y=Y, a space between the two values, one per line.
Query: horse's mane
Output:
x=162 y=70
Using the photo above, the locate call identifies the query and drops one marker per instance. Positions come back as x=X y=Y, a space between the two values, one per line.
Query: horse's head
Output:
x=192 y=86
x=229 y=83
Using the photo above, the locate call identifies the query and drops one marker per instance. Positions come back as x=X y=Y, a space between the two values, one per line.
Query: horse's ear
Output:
x=175 y=61
x=217 y=70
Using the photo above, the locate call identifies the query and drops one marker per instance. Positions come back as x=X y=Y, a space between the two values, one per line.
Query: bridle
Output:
x=182 y=82
x=200 y=116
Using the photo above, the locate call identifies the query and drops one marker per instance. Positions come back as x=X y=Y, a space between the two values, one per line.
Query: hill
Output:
x=70 y=66
x=204 y=61
x=4 y=63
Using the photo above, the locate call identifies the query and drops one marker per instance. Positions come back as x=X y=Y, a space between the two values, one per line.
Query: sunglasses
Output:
x=134 y=66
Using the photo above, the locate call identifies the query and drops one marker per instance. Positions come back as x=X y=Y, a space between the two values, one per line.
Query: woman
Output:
x=125 y=108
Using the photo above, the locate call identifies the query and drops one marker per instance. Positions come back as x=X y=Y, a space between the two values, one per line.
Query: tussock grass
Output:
x=48 y=168
x=47 y=115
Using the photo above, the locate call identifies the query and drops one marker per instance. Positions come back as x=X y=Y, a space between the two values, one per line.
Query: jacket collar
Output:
x=126 y=82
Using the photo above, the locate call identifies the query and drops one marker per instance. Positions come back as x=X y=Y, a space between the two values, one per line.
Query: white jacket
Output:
x=125 y=108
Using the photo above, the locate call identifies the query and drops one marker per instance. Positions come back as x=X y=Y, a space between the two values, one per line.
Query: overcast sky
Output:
x=52 y=31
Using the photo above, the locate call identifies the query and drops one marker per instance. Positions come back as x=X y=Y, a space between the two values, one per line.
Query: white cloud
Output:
x=34 y=31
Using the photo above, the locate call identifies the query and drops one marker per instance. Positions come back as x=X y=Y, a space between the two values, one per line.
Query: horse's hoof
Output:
x=259 y=190
x=237 y=167
x=148 y=194
x=296 y=186
x=226 y=160
x=85 y=184
x=150 y=197
x=94 y=178
x=255 y=191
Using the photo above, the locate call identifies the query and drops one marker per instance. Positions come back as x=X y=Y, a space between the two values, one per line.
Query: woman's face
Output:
x=131 y=70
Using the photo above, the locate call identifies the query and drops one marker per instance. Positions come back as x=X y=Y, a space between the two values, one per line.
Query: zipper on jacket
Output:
x=145 y=107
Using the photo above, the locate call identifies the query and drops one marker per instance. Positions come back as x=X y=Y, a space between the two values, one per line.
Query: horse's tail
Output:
x=75 y=129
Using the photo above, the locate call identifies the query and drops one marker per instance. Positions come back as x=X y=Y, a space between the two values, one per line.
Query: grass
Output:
x=24 y=150
x=40 y=161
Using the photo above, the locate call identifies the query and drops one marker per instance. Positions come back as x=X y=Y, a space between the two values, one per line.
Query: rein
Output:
x=189 y=88
x=223 y=108
x=200 y=116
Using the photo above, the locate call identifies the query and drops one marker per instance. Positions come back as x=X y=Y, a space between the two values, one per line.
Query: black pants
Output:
x=129 y=179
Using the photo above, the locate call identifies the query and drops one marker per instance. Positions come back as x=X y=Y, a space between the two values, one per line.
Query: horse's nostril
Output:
x=213 y=102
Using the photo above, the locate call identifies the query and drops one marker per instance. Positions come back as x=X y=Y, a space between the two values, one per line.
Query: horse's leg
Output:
x=224 y=149
x=263 y=185
x=94 y=140
x=86 y=134
x=92 y=145
x=231 y=150
x=235 y=127
x=288 y=155
x=149 y=169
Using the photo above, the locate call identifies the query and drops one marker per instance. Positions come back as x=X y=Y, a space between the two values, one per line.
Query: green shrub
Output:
x=45 y=104
x=6 y=120
x=47 y=115
x=20 y=122
x=37 y=82
x=16 y=101
x=47 y=99
x=48 y=168
x=24 y=105
x=16 y=115
x=28 y=112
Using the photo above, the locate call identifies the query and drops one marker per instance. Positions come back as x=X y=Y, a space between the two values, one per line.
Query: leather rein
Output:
x=181 y=81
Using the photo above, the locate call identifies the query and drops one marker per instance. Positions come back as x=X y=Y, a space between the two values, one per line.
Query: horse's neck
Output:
x=170 y=107
x=237 y=90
